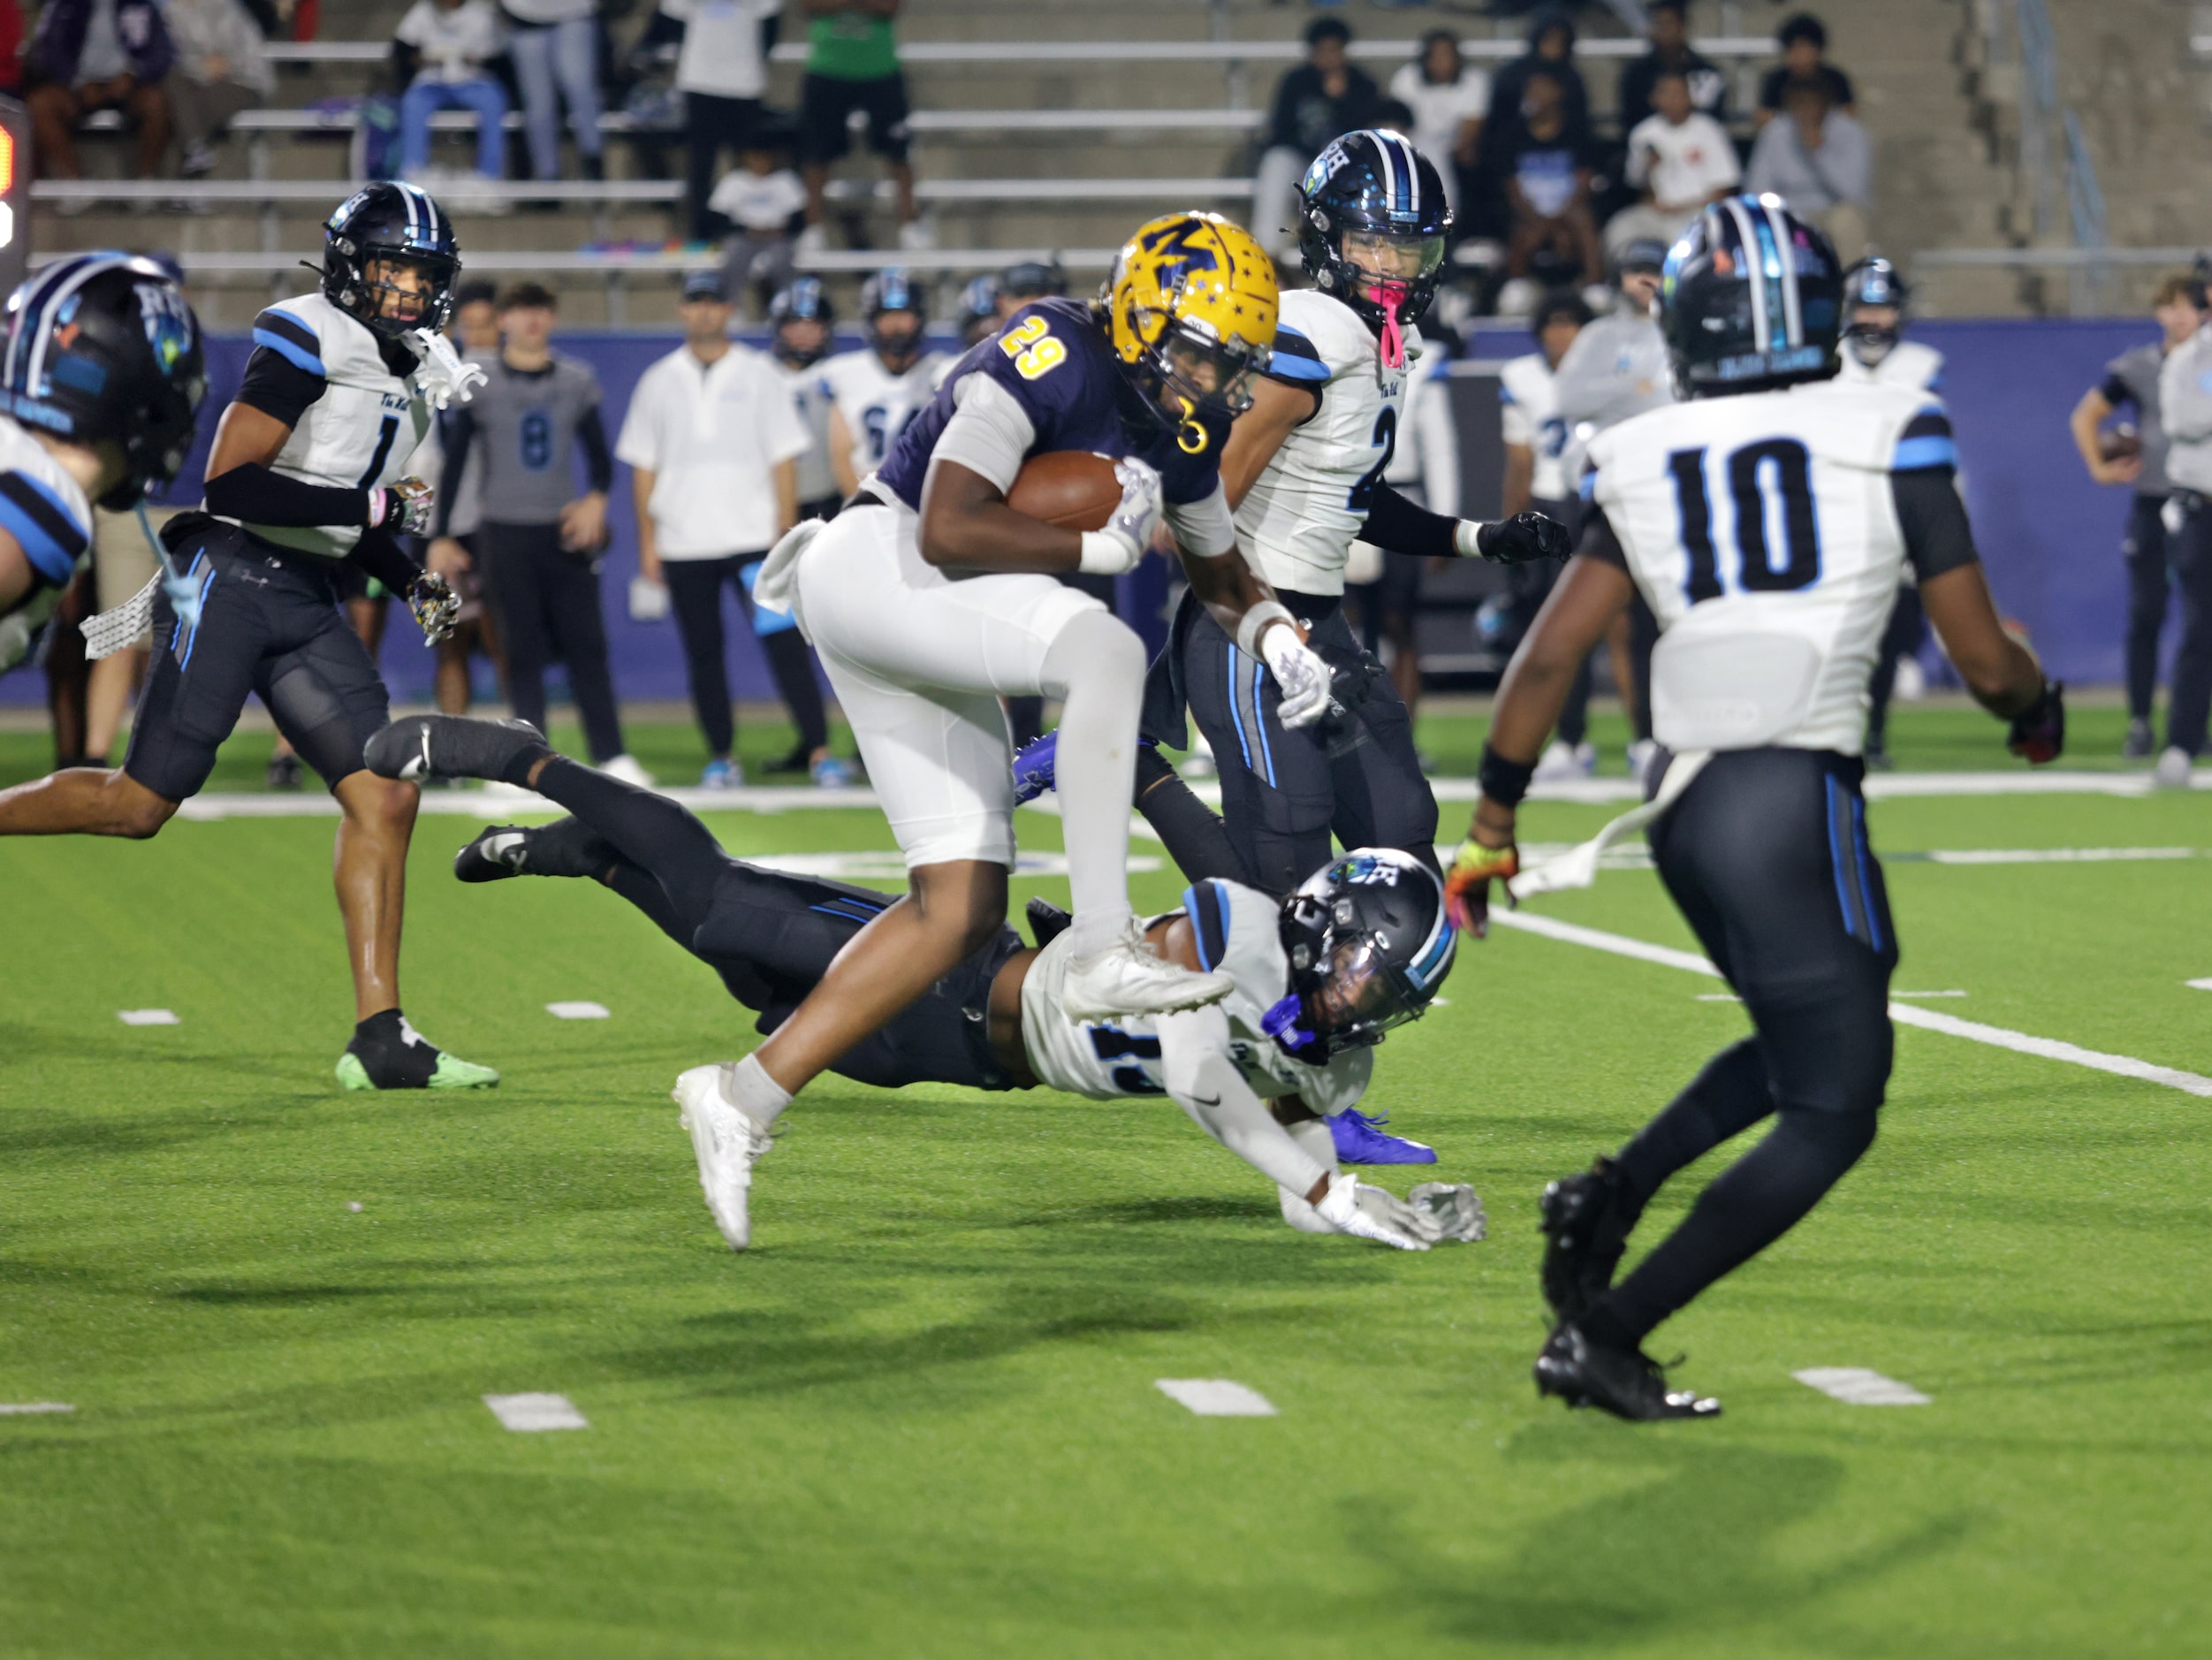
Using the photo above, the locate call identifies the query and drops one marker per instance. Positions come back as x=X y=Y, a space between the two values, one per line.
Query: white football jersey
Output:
x=1112 y=1060
x=1763 y=532
x=1298 y=521
x=1529 y=392
x=361 y=432
x=43 y=508
x=811 y=398
x=876 y=403
x=1907 y=363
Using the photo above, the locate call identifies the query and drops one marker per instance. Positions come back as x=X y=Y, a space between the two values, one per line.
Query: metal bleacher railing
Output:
x=275 y=198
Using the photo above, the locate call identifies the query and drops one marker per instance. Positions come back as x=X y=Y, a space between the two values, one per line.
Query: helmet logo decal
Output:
x=167 y=320
x=1178 y=255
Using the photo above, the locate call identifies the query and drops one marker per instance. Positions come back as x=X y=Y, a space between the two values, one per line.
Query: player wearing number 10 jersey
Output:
x=1765 y=521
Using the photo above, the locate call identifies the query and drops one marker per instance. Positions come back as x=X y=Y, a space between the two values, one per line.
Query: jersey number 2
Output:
x=1775 y=473
x=1362 y=495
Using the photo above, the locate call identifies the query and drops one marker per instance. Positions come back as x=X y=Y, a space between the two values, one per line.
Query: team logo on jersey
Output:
x=167 y=321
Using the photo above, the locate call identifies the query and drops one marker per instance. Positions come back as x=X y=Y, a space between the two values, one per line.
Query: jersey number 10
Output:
x=1773 y=471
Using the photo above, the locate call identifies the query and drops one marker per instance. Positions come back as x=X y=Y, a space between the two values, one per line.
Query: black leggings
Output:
x=694 y=590
x=772 y=937
x=548 y=601
x=2147 y=592
x=1766 y=855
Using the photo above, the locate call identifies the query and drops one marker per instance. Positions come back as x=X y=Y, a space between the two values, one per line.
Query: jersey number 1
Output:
x=1776 y=471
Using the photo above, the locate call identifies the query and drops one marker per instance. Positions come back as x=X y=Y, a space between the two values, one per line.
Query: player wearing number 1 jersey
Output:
x=308 y=472
x=1765 y=521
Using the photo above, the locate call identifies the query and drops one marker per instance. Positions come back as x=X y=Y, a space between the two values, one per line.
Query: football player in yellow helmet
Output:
x=1189 y=307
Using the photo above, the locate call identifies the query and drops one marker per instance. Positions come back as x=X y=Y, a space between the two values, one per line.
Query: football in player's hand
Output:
x=1074 y=489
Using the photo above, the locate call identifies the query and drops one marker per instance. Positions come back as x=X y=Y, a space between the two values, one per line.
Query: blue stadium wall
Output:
x=2050 y=538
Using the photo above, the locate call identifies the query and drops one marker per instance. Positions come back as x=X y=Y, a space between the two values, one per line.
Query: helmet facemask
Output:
x=1390 y=277
x=391 y=307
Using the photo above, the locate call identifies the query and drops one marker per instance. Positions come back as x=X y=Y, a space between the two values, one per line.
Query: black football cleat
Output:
x=1586 y=1219
x=567 y=847
x=1626 y=1382
x=1047 y=922
x=455 y=746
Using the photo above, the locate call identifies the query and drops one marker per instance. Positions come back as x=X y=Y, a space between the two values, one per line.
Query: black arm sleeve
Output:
x=460 y=434
x=379 y=553
x=1599 y=543
x=2115 y=391
x=278 y=387
x=1937 y=537
x=591 y=432
x=256 y=495
x=1396 y=526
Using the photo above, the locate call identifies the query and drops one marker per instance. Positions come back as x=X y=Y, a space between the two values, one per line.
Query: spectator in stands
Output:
x=1545 y=166
x=444 y=50
x=1819 y=160
x=713 y=438
x=1804 y=42
x=1449 y=97
x=853 y=68
x=555 y=46
x=2132 y=378
x=722 y=72
x=89 y=55
x=764 y=203
x=220 y=71
x=1551 y=52
x=1325 y=96
x=1680 y=160
x=1669 y=31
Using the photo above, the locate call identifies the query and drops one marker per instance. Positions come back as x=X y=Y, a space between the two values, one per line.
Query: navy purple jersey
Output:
x=1053 y=357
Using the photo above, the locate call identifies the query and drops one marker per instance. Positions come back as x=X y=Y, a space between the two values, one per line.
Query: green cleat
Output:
x=387 y=1053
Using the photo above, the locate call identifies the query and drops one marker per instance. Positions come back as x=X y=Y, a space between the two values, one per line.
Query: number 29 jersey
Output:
x=1052 y=358
x=1764 y=531
x=1299 y=520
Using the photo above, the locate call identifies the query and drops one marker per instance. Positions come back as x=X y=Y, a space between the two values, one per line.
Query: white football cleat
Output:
x=727 y=1144
x=1129 y=978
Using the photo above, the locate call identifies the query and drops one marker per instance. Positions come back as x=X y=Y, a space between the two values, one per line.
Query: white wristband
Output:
x=1257 y=618
x=1464 y=535
x=1104 y=555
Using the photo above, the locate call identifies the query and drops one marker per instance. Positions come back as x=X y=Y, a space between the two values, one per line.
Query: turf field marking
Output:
x=530 y=1413
x=1927 y=993
x=24 y=1409
x=1216 y=1397
x=2199 y=986
x=1904 y=1014
x=1856 y=1386
x=578 y=1011
x=148 y=1018
x=2045 y=856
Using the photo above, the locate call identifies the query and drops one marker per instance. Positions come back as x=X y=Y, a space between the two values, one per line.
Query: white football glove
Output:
x=1130 y=530
x=1301 y=675
x=1370 y=1213
x=1448 y=1211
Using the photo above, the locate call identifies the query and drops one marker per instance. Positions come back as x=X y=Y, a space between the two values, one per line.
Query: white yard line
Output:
x=147 y=1016
x=1856 y=1386
x=1904 y=1014
x=27 y=1409
x=531 y=1414
x=1216 y=1397
x=578 y=1010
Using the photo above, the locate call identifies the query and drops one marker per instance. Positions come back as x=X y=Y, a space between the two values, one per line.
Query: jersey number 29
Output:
x=1772 y=473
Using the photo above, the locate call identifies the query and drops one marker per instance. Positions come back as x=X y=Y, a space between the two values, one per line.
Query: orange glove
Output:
x=1467 y=883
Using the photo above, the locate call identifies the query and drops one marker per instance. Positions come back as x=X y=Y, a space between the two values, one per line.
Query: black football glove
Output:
x=1524 y=538
x=2038 y=731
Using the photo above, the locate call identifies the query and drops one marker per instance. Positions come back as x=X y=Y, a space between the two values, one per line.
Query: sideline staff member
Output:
x=713 y=441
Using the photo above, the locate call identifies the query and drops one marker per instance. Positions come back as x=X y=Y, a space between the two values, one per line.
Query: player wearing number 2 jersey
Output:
x=1765 y=521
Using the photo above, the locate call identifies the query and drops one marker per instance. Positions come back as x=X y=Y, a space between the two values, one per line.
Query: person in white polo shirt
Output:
x=713 y=441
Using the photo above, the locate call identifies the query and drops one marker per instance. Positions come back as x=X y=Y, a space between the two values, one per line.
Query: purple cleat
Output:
x=1033 y=768
x=1360 y=1141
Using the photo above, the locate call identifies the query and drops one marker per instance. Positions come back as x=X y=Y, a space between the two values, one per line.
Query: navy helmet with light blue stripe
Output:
x=889 y=290
x=803 y=299
x=1369 y=945
x=104 y=349
x=1374 y=186
x=1752 y=298
x=389 y=223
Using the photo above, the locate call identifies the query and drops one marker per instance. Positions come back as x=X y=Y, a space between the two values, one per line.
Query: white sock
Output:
x=1095 y=667
x=758 y=1096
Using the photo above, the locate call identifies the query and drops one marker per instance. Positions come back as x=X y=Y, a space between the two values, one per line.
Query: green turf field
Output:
x=919 y=1418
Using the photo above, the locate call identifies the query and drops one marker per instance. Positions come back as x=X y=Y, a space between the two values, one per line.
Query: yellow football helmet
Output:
x=1190 y=307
